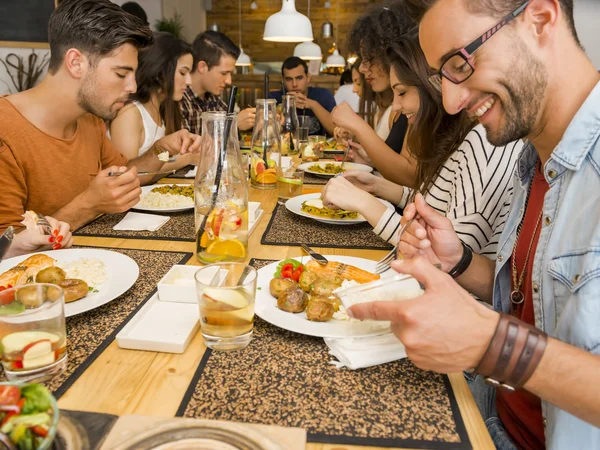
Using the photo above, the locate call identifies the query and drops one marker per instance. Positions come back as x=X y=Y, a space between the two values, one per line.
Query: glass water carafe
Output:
x=266 y=146
x=289 y=128
x=221 y=192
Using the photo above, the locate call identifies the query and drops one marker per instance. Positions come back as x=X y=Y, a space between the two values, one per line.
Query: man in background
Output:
x=214 y=62
x=314 y=102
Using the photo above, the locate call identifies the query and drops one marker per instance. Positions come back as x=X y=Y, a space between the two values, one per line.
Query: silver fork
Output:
x=384 y=264
x=42 y=222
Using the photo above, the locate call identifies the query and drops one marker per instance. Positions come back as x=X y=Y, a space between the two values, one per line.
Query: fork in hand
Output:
x=42 y=222
x=384 y=264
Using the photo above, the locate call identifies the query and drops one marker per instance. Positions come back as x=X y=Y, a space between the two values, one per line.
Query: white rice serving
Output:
x=90 y=270
x=158 y=200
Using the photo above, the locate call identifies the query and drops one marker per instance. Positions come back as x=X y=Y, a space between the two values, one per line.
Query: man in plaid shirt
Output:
x=214 y=62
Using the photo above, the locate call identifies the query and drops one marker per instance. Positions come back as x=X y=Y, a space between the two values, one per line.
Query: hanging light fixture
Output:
x=215 y=27
x=308 y=51
x=335 y=59
x=327 y=27
x=243 y=60
x=288 y=25
x=253 y=6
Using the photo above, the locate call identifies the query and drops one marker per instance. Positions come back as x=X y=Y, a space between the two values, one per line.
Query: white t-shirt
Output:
x=473 y=189
x=345 y=94
x=152 y=131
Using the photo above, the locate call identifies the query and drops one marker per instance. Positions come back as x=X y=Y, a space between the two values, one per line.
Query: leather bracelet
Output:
x=513 y=354
x=463 y=264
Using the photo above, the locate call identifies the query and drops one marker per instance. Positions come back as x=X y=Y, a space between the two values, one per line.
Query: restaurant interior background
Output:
x=197 y=15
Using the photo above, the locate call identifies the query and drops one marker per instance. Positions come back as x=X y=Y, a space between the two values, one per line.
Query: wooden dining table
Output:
x=153 y=384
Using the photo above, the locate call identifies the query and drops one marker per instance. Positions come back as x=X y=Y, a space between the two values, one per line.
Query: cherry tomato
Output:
x=287 y=270
x=296 y=274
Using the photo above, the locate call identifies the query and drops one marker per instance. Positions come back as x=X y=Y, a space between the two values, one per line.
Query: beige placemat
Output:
x=286 y=228
x=283 y=378
x=179 y=228
x=128 y=427
x=89 y=333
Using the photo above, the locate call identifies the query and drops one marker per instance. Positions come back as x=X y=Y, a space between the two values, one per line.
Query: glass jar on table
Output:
x=290 y=126
x=221 y=193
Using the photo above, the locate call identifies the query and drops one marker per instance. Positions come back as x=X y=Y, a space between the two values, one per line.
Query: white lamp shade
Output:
x=288 y=25
x=335 y=60
x=243 y=60
x=308 y=51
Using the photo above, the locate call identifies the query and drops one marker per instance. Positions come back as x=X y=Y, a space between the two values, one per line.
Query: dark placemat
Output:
x=179 y=228
x=181 y=172
x=309 y=178
x=285 y=379
x=286 y=228
x=90 y=333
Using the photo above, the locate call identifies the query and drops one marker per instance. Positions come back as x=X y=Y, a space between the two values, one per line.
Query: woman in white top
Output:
x=346 y=92
x=462 y=175
x=162 y=77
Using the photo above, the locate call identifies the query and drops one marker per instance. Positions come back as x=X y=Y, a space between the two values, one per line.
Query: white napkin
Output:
x=357 y=353
x=134 y=221
x=191 y=173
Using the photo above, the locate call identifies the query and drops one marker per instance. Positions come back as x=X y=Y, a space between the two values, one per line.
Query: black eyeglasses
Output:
x=459 y=66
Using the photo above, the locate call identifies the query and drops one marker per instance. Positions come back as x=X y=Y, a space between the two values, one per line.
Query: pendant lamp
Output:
x=288 y=25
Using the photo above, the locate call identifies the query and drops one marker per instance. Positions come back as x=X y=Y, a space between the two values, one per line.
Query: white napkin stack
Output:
x=358 y=353
x=191 y=173
x=134 y=221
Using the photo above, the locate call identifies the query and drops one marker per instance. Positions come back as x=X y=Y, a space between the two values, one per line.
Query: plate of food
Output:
x=300 y=297
x=89 y=277
x=331 y=169
x=311 y=206
x=166 y=198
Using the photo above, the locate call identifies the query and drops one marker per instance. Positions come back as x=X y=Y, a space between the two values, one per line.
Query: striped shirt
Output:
x=473 y=189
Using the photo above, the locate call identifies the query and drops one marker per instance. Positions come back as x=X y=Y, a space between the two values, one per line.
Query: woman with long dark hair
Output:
x=460 y=174
x=162 y=76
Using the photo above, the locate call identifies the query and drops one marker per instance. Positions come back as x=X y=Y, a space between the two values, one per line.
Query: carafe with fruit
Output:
x=266 y=146
x=221 y=192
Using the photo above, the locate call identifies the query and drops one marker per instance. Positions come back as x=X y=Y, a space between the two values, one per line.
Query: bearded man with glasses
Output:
x=518 y=67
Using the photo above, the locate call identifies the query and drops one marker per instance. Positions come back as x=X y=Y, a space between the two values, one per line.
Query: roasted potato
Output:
x=319 y=310
x=278 y=286
x=307 y=279
x=335 y=302
x=324 y=287
x=293 y=300
x=52 y=275
x=31 y=296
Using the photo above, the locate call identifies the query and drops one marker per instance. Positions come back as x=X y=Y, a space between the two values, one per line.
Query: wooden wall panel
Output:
x=225 y=13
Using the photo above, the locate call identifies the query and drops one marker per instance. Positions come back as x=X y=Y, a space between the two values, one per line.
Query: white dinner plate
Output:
x=266 y=308
x=121 y=271
x=147 y=189
x=347 y=166
x=294 y=205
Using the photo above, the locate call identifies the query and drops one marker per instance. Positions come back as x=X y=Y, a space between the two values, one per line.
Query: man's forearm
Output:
x=76 y=213
x=478 y=279
x=567 y=377
x=324 y=117
x=391 y=165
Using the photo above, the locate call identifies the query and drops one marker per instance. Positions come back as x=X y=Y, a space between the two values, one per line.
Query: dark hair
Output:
x=156 y=71
x=375 y=31
x=436 y=134
x=292 y=62
x=210 y=46
x=372 y=104
x=136 y=10
x=494 y=8
x=94 y=27
x=346 y=77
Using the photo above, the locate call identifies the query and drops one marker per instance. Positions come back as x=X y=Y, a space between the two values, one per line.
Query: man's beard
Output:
x=90 y=99
x=528 y=82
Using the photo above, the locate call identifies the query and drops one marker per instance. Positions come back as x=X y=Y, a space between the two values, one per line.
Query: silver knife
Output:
x=316 y=256
x=5 y=241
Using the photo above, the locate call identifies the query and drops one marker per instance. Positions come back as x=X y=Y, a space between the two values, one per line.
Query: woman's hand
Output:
x=34 y=240
x=341 y=193
x=357 y=154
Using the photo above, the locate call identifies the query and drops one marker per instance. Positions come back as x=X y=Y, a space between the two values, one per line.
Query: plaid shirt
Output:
x=192 y=107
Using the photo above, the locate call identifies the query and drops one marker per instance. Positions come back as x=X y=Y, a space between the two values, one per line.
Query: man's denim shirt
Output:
x=566 y=267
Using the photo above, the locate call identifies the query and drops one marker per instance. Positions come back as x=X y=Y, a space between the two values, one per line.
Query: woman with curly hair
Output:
x=370 y=37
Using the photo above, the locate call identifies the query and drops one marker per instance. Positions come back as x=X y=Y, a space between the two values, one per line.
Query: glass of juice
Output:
x=227 y=305
x=289 y=184
x=32 y=332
